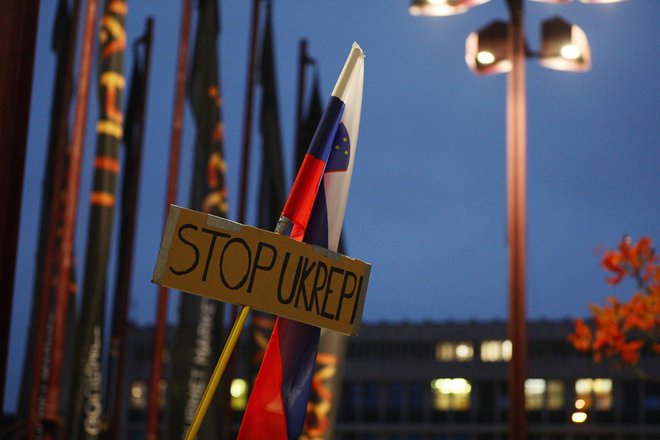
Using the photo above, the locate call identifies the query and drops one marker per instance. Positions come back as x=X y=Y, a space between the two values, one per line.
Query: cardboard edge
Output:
x=223 y=223
x=355 y=329
x=166 y=242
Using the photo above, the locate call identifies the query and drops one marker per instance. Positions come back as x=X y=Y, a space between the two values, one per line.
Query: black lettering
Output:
x=318 y=286
x=329 y=291
x=240 y=284
x=357 y=300
x=260 y=246
x=215 y=235
x=306 y=272
x=192 y=245
x=344 y=292
x=280 y=297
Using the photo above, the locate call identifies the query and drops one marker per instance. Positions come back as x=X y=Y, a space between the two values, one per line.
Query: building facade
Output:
x=448 y=381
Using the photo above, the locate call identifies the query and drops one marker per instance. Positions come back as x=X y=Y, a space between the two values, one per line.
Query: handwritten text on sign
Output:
x=227 y=261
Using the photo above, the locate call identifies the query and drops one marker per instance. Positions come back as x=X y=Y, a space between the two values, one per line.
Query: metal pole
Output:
x=175 y=152
x=18 y=31
x=516 y=222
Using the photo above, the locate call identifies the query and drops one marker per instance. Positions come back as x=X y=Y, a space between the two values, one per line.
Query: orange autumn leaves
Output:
x=620 y=330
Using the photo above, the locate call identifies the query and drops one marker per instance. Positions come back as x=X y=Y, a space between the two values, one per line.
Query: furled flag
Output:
x=328 y=371
x=316 y=205
x=200 y=331
x=271 y=192
x=86 y=404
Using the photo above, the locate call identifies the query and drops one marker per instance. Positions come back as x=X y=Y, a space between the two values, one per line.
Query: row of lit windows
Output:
x=450 y=394
x=463 y=351
x=454 y=394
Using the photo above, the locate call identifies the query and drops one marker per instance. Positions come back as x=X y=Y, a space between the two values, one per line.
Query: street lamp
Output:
x=500 y=47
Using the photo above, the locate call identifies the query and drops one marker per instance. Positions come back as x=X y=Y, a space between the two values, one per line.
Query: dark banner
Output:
x=134 y=128
x=271 y=187
x=199 y=339
x=86 y=413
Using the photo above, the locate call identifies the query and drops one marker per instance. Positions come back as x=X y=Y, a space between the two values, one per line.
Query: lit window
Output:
x=162 y=393
x=496 y=351
x=138 y=395
x=451 y=394
x=555 y=391
x=454 y=351
x=534 y=394
x=593 y=393
x=544 y=394
x=238 y=393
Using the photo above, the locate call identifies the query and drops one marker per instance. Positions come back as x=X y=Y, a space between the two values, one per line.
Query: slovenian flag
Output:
x=316 y=206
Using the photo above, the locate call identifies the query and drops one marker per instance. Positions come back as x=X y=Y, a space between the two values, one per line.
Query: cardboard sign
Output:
x=227 y=261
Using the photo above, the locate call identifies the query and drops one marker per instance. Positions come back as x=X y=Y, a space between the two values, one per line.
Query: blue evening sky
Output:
x=427 y=203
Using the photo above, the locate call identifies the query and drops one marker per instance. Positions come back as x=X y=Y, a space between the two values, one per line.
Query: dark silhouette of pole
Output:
x=170 y=198
x=135 y=116
x=247 y=116
x=51 y=218
x=245 y=152
x=303 y=60
x=65 y=258
x=18 y=30
x=516 y=222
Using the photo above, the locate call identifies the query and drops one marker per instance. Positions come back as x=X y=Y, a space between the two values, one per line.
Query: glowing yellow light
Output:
x=485 y=57
x=136 y=391
x=579 y=417
x=534 y=386
x=584 y=386
x=580 y=403
x=464 y=352
x=451 y=386
x=602 y=385
x=238 y=388
x=570 y=52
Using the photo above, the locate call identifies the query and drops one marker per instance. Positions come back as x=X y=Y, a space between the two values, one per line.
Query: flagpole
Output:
x=227 y=351
x=214 y=381
x=51 y=220
x=127 y=235
x=175 y=147
x=247 y=117
x=51 y=417
x=303 y=59
x=18 y=21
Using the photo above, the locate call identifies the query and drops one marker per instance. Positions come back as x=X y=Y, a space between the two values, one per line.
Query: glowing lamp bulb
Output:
x=579 y=417
x=485 y=57
x=570 y=52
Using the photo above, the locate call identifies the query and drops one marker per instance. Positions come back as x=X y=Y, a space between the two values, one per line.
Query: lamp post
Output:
x=516 y=189
x=501 y=47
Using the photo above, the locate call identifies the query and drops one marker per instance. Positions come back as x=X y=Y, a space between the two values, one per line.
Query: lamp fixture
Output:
x=583 y=1
x=552 y=1
x=564 y=46
x=487 y=50
x=442 y=7
x=601 y=1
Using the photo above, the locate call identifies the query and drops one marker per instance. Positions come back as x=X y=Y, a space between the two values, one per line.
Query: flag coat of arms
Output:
x=316 y=206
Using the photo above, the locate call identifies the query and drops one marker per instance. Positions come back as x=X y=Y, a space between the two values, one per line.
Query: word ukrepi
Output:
x=227 y=261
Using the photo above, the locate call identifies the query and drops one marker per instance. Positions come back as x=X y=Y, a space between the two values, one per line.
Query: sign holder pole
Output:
x=227 y=351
